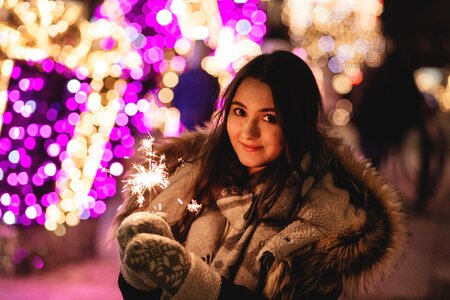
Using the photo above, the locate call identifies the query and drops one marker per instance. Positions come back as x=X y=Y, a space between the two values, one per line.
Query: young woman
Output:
x=287 y=211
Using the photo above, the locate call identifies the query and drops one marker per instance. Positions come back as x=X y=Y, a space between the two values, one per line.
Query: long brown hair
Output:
x=297 y=102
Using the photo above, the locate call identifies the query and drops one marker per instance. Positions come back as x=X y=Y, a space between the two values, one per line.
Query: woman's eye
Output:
x=239 y=112
x=270 y=118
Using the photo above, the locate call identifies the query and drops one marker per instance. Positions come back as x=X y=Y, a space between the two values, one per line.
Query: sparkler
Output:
x=155 y=175
x=194 y=206
x=149 y=178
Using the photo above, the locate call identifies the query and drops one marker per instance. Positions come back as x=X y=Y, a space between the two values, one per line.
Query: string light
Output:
x=55 y=36
x=104 y=65
x=435 y=82
x=337 y=37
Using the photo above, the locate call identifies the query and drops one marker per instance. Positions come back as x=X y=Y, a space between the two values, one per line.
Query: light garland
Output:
x=435 y=81
x=337 y=38
x=53 y=34
x=104 y=65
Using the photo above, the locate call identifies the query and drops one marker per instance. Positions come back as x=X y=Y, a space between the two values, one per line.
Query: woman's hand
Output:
x=159 y=260
x=134 y=224
x=141 y=222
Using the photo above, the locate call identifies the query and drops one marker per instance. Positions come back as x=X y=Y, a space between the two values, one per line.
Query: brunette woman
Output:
x=287 y=212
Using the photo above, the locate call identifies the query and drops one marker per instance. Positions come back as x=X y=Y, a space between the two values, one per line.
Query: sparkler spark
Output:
x=194 y=206
x=149 y=178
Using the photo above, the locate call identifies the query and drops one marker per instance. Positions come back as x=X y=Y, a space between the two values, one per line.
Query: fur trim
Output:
x=347 y=262
x=278 y=278
x=375 y=251
x=303 y=276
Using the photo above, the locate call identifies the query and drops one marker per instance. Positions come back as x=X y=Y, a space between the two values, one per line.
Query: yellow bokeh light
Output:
x=116 y=70
x=7 y=66
x=87 y=117
x=67 y=205
x=112 y=95
x=170 y=79
x=427 y=79
x=60 y=230
x=344 y=104
x=96 y=85
x=94 y=102
x=198 y=18
x=66 y=194
x=74 y=173
x=225 y=79
x=340 y=117
x=62 y=26
x=182 y=46
x=97 y=139
x=178 y=7
x=120 y=86
x=73 y=146
x=337 y=36
x=96 y=151
x=341 y=83
x=43 y=34
x=133 y=60
x=49 y=224
x=11 y=3
x=53 y=213
x=161 y=114
x=90 y=170
x=165 y=95
x=85 y=128
x=72 y=219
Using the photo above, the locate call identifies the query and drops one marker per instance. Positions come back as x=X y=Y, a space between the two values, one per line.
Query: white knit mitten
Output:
x=139 y=222
x=165 y=262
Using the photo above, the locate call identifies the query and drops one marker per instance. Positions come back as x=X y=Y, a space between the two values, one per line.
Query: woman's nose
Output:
x=251 y=128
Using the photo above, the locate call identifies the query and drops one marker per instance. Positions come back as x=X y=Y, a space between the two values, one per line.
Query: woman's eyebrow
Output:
x=238 y=103
x=266 y=109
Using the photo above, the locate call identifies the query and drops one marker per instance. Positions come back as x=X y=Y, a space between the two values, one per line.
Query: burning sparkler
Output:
x=154 y=176
x=194 y=206
x=149 y=178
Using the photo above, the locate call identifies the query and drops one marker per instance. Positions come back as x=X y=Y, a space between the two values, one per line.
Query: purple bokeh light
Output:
x=44 y=109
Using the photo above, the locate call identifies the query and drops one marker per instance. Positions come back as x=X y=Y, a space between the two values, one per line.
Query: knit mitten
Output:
x=139 y=222
x=165 y=262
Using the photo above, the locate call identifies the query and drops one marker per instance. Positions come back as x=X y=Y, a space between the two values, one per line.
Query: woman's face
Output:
x=252 y=125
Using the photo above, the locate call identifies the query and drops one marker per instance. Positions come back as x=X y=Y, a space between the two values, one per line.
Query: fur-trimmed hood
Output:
x=356 y=232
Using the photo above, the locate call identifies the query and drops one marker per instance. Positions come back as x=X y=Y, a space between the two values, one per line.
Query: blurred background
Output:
x=82 y=83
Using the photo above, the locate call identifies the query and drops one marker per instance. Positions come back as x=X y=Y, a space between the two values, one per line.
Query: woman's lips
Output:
x=250 y=148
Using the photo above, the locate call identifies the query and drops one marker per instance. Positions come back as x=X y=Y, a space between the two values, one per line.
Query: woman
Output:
x=287 y=212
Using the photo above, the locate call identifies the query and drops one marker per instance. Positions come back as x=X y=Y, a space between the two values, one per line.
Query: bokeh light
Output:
x=339 y=38
x=74 y=93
